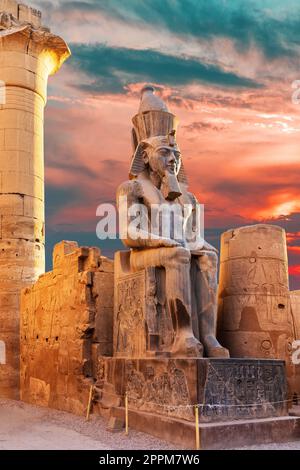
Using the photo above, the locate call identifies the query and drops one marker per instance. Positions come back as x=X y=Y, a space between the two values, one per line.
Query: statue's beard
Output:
x=170 y=187
x=167 y=183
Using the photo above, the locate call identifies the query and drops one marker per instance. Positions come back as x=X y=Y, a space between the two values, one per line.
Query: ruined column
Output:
x=254 y=318
x=29 y=53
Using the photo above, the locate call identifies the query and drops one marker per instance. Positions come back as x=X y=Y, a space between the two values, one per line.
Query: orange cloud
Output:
x=242 y=158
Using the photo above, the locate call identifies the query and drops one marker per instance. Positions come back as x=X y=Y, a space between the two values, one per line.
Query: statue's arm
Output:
x=195 y=226
x=129 y=200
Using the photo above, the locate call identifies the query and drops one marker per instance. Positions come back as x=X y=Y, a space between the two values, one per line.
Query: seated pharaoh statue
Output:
x=166 y=243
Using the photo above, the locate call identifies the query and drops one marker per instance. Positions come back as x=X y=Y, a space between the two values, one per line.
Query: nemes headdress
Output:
x=154 y=126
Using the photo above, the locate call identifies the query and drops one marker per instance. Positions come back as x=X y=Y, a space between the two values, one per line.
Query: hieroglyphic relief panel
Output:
x=151 y=306
x=255 y=275
x=272 y=312
x=159 y=314
x=129 y=322
x=244 y=389
x=165 y=392
x=143 y=324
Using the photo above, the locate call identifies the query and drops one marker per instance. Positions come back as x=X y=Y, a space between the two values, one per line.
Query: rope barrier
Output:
x=199 y=405
x=89 y=402
x=126 y=414
x=196 y=407
x=197 y=430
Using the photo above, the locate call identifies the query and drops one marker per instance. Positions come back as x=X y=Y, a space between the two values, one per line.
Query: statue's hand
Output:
x=201 y=247
x=164 y=242
x=209 y=247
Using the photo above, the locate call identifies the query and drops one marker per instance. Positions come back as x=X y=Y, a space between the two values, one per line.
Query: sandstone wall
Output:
x=65 y=317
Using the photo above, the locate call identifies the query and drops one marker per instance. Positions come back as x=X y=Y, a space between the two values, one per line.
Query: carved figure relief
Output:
x=164 y=393
x=130 y=318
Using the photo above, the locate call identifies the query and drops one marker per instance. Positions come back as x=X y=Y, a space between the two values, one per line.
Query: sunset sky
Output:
x=225 y=68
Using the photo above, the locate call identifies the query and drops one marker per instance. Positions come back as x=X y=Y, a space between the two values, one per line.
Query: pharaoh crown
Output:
x=153 y=122
x=153 y=118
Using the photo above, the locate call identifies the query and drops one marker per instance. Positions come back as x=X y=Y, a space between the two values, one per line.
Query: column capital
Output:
x=30 y=37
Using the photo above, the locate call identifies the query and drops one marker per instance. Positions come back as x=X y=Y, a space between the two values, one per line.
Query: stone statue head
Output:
x=160 y=157
x=161 y=154
x=154 y=139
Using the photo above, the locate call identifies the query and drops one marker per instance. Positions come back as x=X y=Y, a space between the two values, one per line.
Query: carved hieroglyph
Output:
x=142 y=321
x=130 y=316
x=244 y=390
x=29 y=53
x=165 y=393
x=225 y=389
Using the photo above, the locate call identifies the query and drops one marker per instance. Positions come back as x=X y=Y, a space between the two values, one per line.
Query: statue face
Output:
x=163 y=159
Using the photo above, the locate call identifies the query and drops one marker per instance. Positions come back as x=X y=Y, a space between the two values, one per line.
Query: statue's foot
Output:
x=218 y=352
x=214 y=349
x=187 y=346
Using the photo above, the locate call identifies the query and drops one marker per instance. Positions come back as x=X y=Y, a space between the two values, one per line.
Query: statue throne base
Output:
x=142 y=322
x=240 y=401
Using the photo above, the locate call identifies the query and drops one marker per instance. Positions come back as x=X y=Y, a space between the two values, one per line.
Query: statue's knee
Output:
x=178 y=255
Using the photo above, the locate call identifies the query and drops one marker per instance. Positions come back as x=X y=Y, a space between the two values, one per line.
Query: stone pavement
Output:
x=28 y=427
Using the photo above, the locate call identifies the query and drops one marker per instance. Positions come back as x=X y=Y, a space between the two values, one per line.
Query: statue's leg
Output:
x=206 y=298
x=176 y=262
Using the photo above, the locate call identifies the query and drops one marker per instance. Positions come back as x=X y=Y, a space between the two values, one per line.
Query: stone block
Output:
x=10 y=6
x=226 y=389
x=34 y=207
x=20 y=227
x=22 y=120
x=39 y=391
x=17 y=59
x=21 y=99
x=61 y=250
x=214 y=436
x=107 y=265
x=104 y=330
x=103 y=289
x=139 y=329
x=22 y=183
x=30 y=15
x=89 y=258
x=2 y=141
x=22 y=140
x=11 y=204
x=13 y=76
x=115 y=424
x=8 y=301
x=13 y=159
